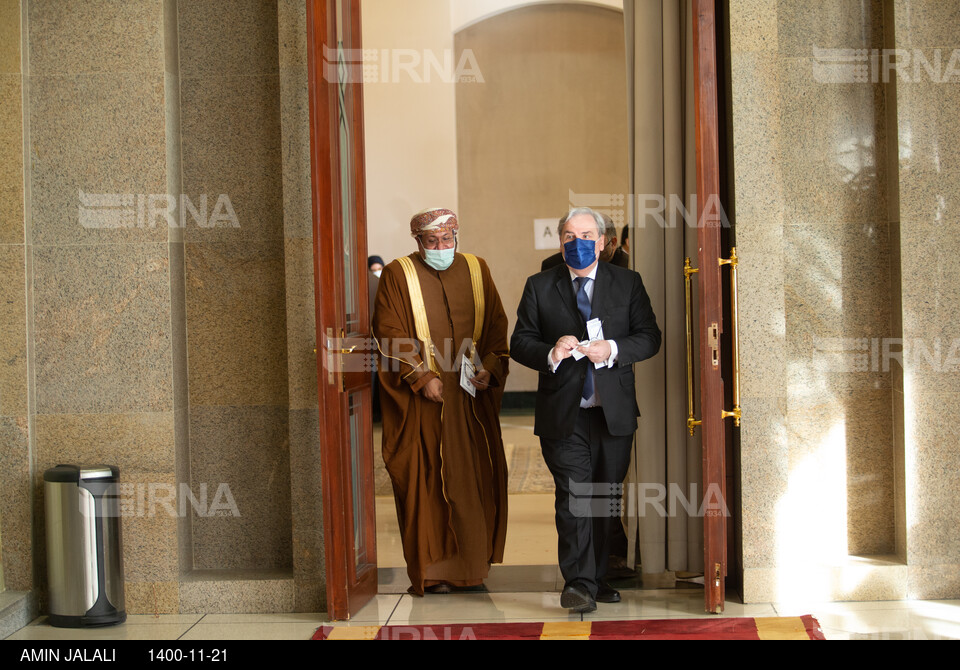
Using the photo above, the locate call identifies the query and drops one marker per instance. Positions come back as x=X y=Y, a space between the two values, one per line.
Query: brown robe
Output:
x=446 y=460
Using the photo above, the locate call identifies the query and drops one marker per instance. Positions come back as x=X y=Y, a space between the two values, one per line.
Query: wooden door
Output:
x=710 y=321
x=344 y=359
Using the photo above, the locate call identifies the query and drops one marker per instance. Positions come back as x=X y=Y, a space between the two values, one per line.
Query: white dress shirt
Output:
x=592 y=401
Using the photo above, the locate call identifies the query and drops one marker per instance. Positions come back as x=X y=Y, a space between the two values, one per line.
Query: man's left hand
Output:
x=482 y=380
x=597 y=352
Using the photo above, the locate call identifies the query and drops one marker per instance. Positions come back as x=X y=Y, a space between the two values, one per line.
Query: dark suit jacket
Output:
x=548 y=311
x=620 y=258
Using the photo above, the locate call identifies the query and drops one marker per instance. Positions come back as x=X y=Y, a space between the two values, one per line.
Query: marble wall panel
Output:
x=836 y=24
x=834 y=162
x=13 y=331
x=11 y=159
x=98 y=155
x=292 y=33
x=760 y=233
x=933 y=459
x=246 y=450
x=138 y=444
x=10 y=37
x=228 y=593
x=838 y=308
x=236 y=324
x=927 y=23
x=16 y=501
x=95 y=36
x=753 y=26
x=221 y=38
x=306 y=503
x=301 y=324
x=765 y=445
x=102 y=315
x=297 y=169
x=929 y=172
x=232 y=148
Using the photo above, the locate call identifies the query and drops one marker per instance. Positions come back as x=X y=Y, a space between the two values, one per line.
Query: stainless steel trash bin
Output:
x=84 y=550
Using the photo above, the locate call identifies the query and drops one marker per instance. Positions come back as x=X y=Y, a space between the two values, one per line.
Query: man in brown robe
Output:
x=443 y=447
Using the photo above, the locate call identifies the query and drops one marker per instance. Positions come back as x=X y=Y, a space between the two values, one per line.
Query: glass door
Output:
x=344 y=359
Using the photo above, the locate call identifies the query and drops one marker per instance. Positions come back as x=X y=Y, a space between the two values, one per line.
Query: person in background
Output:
x=374 y=270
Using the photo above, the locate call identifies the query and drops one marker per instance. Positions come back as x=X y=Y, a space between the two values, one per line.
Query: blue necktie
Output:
x=583 y=304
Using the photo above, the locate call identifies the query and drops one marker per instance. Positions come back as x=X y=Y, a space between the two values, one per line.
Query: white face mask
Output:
x=441 y=259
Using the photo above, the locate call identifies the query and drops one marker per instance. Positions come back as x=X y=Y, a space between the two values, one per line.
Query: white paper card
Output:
x=467 y=372
x=594 y=334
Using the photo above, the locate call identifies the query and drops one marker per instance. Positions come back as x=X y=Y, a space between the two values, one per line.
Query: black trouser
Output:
x=588 y=468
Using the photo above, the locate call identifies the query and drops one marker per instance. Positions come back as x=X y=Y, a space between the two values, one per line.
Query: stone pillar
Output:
x=16 y=566
x=813 y=234
x=928 y=95
x=235 y=285
x=102 y=270
x=309 y=558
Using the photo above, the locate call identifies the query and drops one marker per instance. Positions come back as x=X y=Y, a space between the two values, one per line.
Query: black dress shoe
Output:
x=607 y=594
x=576 y=599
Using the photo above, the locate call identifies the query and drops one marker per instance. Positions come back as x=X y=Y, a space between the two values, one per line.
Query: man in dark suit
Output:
x=586 y=409
x=612 y=253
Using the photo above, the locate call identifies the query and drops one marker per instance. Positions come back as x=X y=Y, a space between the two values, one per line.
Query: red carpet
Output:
x=786 y=628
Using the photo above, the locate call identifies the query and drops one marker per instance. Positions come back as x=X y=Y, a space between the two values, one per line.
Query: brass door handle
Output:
x=734 y=264
x=688 y=272
x=713 y=334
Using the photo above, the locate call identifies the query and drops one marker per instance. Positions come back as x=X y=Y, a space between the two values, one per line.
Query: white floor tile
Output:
x=165 y=627
x=377 y=611
x=317 y=619
x=479 y=608
x=669 y=605
x=252 y=631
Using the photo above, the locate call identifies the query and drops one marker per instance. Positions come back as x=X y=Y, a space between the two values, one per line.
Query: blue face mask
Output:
x=580 y=254
x=439 y=260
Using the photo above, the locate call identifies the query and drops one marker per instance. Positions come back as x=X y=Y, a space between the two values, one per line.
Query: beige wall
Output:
x=532 y=134
x=410 y=122
x=465 y=12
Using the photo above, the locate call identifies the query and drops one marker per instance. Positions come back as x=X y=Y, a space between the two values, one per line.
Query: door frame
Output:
x=348 y=591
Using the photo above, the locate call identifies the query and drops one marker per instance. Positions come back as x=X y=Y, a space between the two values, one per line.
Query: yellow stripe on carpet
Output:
x=566 y=630
x=786 y=628
x=354 y=633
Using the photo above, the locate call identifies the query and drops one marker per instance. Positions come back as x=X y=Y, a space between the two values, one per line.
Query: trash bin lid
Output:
x=73 y=474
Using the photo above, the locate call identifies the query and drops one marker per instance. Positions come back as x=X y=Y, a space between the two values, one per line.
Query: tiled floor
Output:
x=920 y=620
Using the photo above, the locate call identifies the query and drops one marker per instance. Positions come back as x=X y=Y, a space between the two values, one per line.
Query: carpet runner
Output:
x=781 y=628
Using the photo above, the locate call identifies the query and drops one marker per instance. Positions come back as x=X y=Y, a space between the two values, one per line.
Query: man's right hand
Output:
x=564 y=348
x=433 y=390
